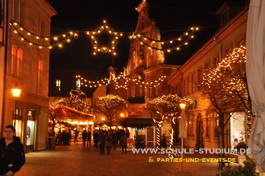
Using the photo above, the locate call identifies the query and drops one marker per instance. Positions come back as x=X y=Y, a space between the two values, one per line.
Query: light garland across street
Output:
x=121 y=78
x=58 y=40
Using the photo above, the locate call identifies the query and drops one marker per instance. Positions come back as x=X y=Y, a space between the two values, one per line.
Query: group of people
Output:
x=102 y=138
x=63 y=138
x=110 y=139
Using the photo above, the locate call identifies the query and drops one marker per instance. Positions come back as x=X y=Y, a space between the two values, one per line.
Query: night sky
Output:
x=173 y=18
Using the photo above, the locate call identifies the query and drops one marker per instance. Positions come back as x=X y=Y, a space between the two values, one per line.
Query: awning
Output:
x=70 y=113
x=137 y=122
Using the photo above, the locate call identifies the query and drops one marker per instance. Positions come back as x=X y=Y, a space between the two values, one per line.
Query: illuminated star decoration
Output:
x=104 y=49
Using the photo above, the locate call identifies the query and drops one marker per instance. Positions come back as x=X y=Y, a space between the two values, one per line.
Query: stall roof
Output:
x=137 y=122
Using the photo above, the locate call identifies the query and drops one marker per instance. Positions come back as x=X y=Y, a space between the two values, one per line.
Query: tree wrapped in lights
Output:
x=109 y=106
x=165 y=107
x=226 y=88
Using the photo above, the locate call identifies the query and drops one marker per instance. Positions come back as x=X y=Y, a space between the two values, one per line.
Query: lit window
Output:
x=58 y=84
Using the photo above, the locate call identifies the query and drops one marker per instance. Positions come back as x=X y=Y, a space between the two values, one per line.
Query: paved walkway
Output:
x=76 y=160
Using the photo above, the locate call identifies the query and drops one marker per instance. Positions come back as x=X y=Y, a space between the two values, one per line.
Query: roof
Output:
x=137 y=122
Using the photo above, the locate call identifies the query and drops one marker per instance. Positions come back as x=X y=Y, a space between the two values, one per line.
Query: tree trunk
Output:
x=158 y=135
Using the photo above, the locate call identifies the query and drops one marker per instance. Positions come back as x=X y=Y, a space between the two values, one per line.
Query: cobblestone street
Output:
x=76 y=160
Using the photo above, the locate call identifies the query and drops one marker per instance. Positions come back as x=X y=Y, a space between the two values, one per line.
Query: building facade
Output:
x=27 y=67
x=202 y=121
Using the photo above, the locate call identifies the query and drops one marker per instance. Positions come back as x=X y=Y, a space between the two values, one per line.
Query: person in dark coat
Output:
x=84 y=136
x=124 y=143
x=88 y=138
x=115 y=139
x=12 y=155
x=102 y=142
x=95 y=137
x=109 y=142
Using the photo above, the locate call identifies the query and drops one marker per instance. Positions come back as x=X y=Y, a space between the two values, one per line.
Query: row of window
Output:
x=17 y=64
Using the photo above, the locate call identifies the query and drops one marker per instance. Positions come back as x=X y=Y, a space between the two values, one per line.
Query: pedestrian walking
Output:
x=115 y=139
x=101 y=139
x=76 y=136
x=88 y=138
x=109 y=141
x=84 y=136
x=12 y=156
x=124 y=143
x=95 y=137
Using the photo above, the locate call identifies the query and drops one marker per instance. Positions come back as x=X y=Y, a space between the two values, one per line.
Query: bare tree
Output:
x=226 y=88
x=109 y=106
x=164 y=107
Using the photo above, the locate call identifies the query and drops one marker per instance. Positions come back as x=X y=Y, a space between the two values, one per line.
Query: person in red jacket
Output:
x=12 y=155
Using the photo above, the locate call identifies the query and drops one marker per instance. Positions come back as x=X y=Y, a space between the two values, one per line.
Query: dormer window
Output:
x=223 y=12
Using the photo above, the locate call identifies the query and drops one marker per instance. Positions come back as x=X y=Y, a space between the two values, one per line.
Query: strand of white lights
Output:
x=39 y=40
x=167 y=45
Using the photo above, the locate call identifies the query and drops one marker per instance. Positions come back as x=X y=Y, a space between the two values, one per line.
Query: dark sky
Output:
x=172 y=17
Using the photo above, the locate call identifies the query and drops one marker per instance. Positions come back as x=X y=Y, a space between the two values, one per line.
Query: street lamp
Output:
x=182 y=128
x=15 y=94
x=182 y=106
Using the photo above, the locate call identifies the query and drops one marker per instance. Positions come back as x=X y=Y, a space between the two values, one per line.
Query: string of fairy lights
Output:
x=104 y=49
x=51 y=42
x=121 y=81
x=237 y=56
x=233 y=82
x=166 y=45
x=42 y=41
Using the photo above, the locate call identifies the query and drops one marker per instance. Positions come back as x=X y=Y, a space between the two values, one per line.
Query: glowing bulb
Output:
x=29 y=33
x=192 y=36
x=15 y=31
x=46 y=38
x=179 y=39
x=60 y=45
x=177 y=48
x=68 y=40
x=50 y=47
x=104 y=21
x=64 y=35
x=30 y=44
x=171 y=41
x=186 y=43
x=168 y=51
x=37 y=37
x=186 y=33
x=55 y=38
x=192 y=28
x=22 y=39
x=40 y=47
x=21 y=29
x=197 y=28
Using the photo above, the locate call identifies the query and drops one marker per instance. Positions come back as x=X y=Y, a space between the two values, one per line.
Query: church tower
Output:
x=140 y=57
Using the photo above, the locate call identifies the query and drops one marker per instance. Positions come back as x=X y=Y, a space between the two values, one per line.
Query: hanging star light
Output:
x=104 y=49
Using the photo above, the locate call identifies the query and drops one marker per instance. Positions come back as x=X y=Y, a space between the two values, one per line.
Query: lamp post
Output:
x=15 y=94
x=182 y=128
